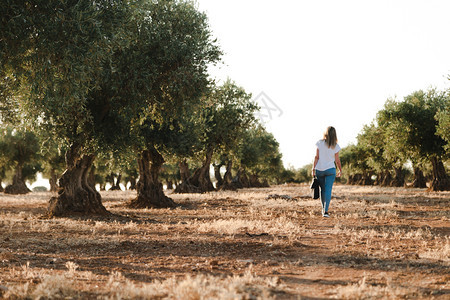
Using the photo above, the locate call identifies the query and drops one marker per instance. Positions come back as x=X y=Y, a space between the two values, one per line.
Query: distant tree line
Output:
x=407 y=139
x=255 y=161
x=113 y=91
x=407 y=144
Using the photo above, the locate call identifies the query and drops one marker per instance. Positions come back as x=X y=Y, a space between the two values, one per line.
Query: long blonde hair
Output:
x=330 y=137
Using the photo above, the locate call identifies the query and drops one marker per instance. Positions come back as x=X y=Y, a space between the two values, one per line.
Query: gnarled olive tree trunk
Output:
x=133 y=183
x=383 y=178
x=53 y=181
x=76 y=195
x=362 y=179
x=399 y=178
x=116 y=185
x=184 y=170
x=386 y=179
x=228 y=183
x=201 y=178
x=169 y=184
x=149 y=188
x=353 y=179
x=242 y=178
x=367 y=178
x=18 y=185
x=419 y=179
x=200 y=181
x=217 y=175
x=440 y=179
x=256 y=182
x=185 y=186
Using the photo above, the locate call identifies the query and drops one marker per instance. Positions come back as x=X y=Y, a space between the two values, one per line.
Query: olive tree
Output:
x=57 y=54
x=372 y=140
x=21 y=150
x=259 y=157
x=180 y=55
x=416 y=116
x=388 y=152
x=91 y=72
x=443 y=119
x=354 y=160
x=226 y=113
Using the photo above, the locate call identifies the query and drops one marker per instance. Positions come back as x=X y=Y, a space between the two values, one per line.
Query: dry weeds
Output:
x=380 y=243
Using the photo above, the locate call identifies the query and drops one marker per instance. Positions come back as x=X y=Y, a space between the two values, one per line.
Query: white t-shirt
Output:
x=326 y=156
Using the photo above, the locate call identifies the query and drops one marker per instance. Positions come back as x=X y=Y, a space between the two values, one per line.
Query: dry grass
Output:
x=380 y=243
x=63 y=286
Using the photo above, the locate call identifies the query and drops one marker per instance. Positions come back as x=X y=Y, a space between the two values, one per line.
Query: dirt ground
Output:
x=379 y=243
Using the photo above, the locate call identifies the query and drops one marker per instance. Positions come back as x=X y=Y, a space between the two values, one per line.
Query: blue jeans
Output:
x=326 y=180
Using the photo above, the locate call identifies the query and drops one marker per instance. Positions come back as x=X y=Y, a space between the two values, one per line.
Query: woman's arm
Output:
x=316 y=159
x=338 y=164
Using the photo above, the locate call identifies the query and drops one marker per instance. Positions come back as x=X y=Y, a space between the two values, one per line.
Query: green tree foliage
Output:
x=20 y=150
x=414 y=130
x=372 y=142
x=223 y=118
x=287 y=175
x=228 y=114
x=304 y=173
x=396 y=151
x=101 y=169
x=52 y=160
x=110 y=168
x=131 y=174
x=259 y=156
x=171 y=174
x=416 y=116
x=57 y=50
x=443 y=119
x=381 y=143
x=354 y=160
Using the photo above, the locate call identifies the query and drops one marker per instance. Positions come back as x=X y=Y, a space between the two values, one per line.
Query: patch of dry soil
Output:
x=378 y=243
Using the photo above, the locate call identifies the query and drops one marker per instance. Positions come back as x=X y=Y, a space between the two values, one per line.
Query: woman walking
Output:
x=324 y=168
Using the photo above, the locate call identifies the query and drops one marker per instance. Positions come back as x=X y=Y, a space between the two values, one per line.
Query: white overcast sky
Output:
x=329 y=62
